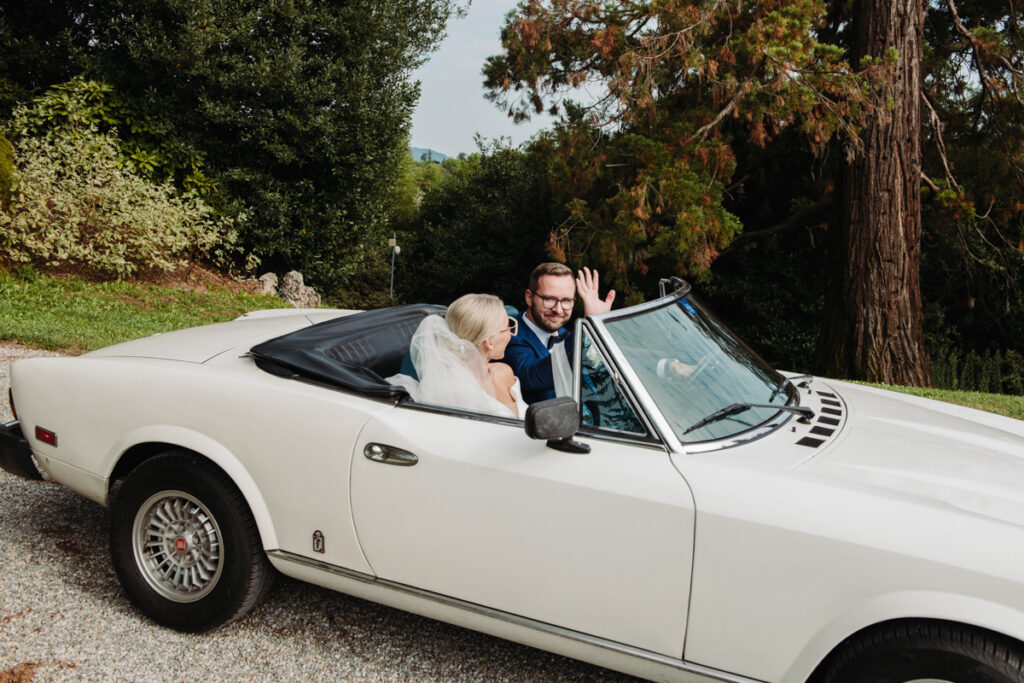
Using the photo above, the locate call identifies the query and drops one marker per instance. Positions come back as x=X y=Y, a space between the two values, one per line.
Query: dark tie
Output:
x=557 y=338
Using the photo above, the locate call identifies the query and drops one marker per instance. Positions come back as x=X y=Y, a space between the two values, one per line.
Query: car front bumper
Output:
x=15 y=454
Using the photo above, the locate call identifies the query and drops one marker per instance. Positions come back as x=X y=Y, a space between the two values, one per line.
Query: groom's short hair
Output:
x=550 y=268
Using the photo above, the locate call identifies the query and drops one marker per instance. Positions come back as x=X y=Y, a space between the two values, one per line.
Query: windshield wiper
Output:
x=786 y=382
x=804 y=412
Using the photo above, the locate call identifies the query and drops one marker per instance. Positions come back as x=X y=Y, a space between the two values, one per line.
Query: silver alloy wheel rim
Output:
x=177 y=546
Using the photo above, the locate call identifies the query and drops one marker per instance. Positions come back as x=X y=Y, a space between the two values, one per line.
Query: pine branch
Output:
x=799 y=219
x=936 y=124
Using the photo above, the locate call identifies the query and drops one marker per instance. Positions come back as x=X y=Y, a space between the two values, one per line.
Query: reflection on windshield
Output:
x=602 y=403
x=692 y=366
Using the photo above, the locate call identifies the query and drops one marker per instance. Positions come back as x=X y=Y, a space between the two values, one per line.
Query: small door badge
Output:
x=318 y=541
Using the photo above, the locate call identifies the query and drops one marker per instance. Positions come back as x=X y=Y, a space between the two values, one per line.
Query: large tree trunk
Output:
x=874 y=311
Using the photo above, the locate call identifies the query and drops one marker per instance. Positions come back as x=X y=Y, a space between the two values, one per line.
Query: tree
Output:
x=874 y=313
x=971 y=134
x=39 y=39
x=481 y=228
x=973 y=147
x=686 y=82
x=971 y=254
x=300 y=108
x=712 y=82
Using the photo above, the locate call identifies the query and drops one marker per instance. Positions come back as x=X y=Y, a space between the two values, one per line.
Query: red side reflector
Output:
x=46 y=436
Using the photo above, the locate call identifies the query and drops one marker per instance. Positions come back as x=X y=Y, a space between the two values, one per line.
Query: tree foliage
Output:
x=482 y=228
x=758 y=110
x=972 y=255
x=80 y=103
x=75 y=204
x=299 y=108
x=973 y=95
x=684 y=81
x=41 y=44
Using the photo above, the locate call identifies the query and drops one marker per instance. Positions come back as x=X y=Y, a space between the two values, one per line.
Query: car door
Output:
x=597 y=542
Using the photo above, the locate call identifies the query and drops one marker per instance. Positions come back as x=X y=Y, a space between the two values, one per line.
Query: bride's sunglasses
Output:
x=512 y=327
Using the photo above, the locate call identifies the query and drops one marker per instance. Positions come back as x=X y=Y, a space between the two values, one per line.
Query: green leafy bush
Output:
x=75 y=203
x=994 y=372
x=6 y=167
x=153 y=151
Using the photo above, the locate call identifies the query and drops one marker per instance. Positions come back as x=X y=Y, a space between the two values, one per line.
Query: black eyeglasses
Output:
x=548 y=302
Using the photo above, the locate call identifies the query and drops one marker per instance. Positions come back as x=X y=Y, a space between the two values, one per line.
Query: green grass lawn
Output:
x=75 y=315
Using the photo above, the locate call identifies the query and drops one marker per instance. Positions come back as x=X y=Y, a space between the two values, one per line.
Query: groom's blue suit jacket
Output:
x=531 y=362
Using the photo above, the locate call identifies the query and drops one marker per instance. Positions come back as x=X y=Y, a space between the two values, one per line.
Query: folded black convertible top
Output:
x=355 y=352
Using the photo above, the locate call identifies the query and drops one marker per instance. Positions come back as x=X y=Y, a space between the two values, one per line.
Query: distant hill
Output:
x=421 y=154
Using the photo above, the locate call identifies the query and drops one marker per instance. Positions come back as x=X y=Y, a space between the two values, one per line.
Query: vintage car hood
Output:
x=200 y=344
x=949 y=454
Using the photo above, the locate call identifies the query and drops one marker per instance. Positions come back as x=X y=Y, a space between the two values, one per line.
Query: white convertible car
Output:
x=732 y=524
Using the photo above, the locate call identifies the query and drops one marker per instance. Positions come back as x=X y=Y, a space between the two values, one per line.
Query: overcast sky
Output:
x=452 y=107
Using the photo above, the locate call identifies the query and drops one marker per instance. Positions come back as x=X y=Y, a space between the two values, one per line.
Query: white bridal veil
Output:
x=451 y=371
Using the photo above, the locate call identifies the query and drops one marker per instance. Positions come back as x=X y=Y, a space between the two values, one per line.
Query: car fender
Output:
x=211 y=449
x=963 y=609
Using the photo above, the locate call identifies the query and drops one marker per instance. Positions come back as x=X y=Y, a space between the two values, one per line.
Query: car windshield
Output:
x=699 y=374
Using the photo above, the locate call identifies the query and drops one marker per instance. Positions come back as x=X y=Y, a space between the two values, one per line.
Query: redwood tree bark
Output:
x=874 y=310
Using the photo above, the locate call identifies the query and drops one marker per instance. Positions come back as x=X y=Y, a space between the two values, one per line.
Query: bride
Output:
x=452 y=356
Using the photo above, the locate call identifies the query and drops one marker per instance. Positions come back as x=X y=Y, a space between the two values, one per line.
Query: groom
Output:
x=549 y=303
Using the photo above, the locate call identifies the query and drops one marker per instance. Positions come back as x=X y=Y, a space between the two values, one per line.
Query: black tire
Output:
x=185 y=545
x=933 y=650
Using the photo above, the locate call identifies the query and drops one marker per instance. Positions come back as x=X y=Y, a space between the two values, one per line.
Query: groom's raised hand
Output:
x=587 y=286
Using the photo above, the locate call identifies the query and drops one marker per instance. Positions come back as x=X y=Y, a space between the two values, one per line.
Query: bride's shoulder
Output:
x=501 y=372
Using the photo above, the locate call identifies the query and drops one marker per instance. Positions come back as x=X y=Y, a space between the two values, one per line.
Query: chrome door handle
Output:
x=389 y=455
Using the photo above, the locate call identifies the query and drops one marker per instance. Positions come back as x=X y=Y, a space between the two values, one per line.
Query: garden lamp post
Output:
x=395 y=251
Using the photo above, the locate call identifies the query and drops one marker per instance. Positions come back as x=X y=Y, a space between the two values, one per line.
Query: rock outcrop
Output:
x=297 y=292
x=291 y=288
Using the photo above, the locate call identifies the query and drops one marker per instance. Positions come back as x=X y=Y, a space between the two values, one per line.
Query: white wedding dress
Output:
x=517 y=394
x=452 y=372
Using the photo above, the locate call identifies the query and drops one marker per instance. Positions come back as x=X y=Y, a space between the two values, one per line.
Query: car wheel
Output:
x=903 y=652
x=185 y=545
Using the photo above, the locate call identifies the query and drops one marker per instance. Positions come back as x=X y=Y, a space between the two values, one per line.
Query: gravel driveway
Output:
x=63 y=616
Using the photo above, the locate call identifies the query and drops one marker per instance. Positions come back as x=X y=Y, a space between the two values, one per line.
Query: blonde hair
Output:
x=475 y=317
